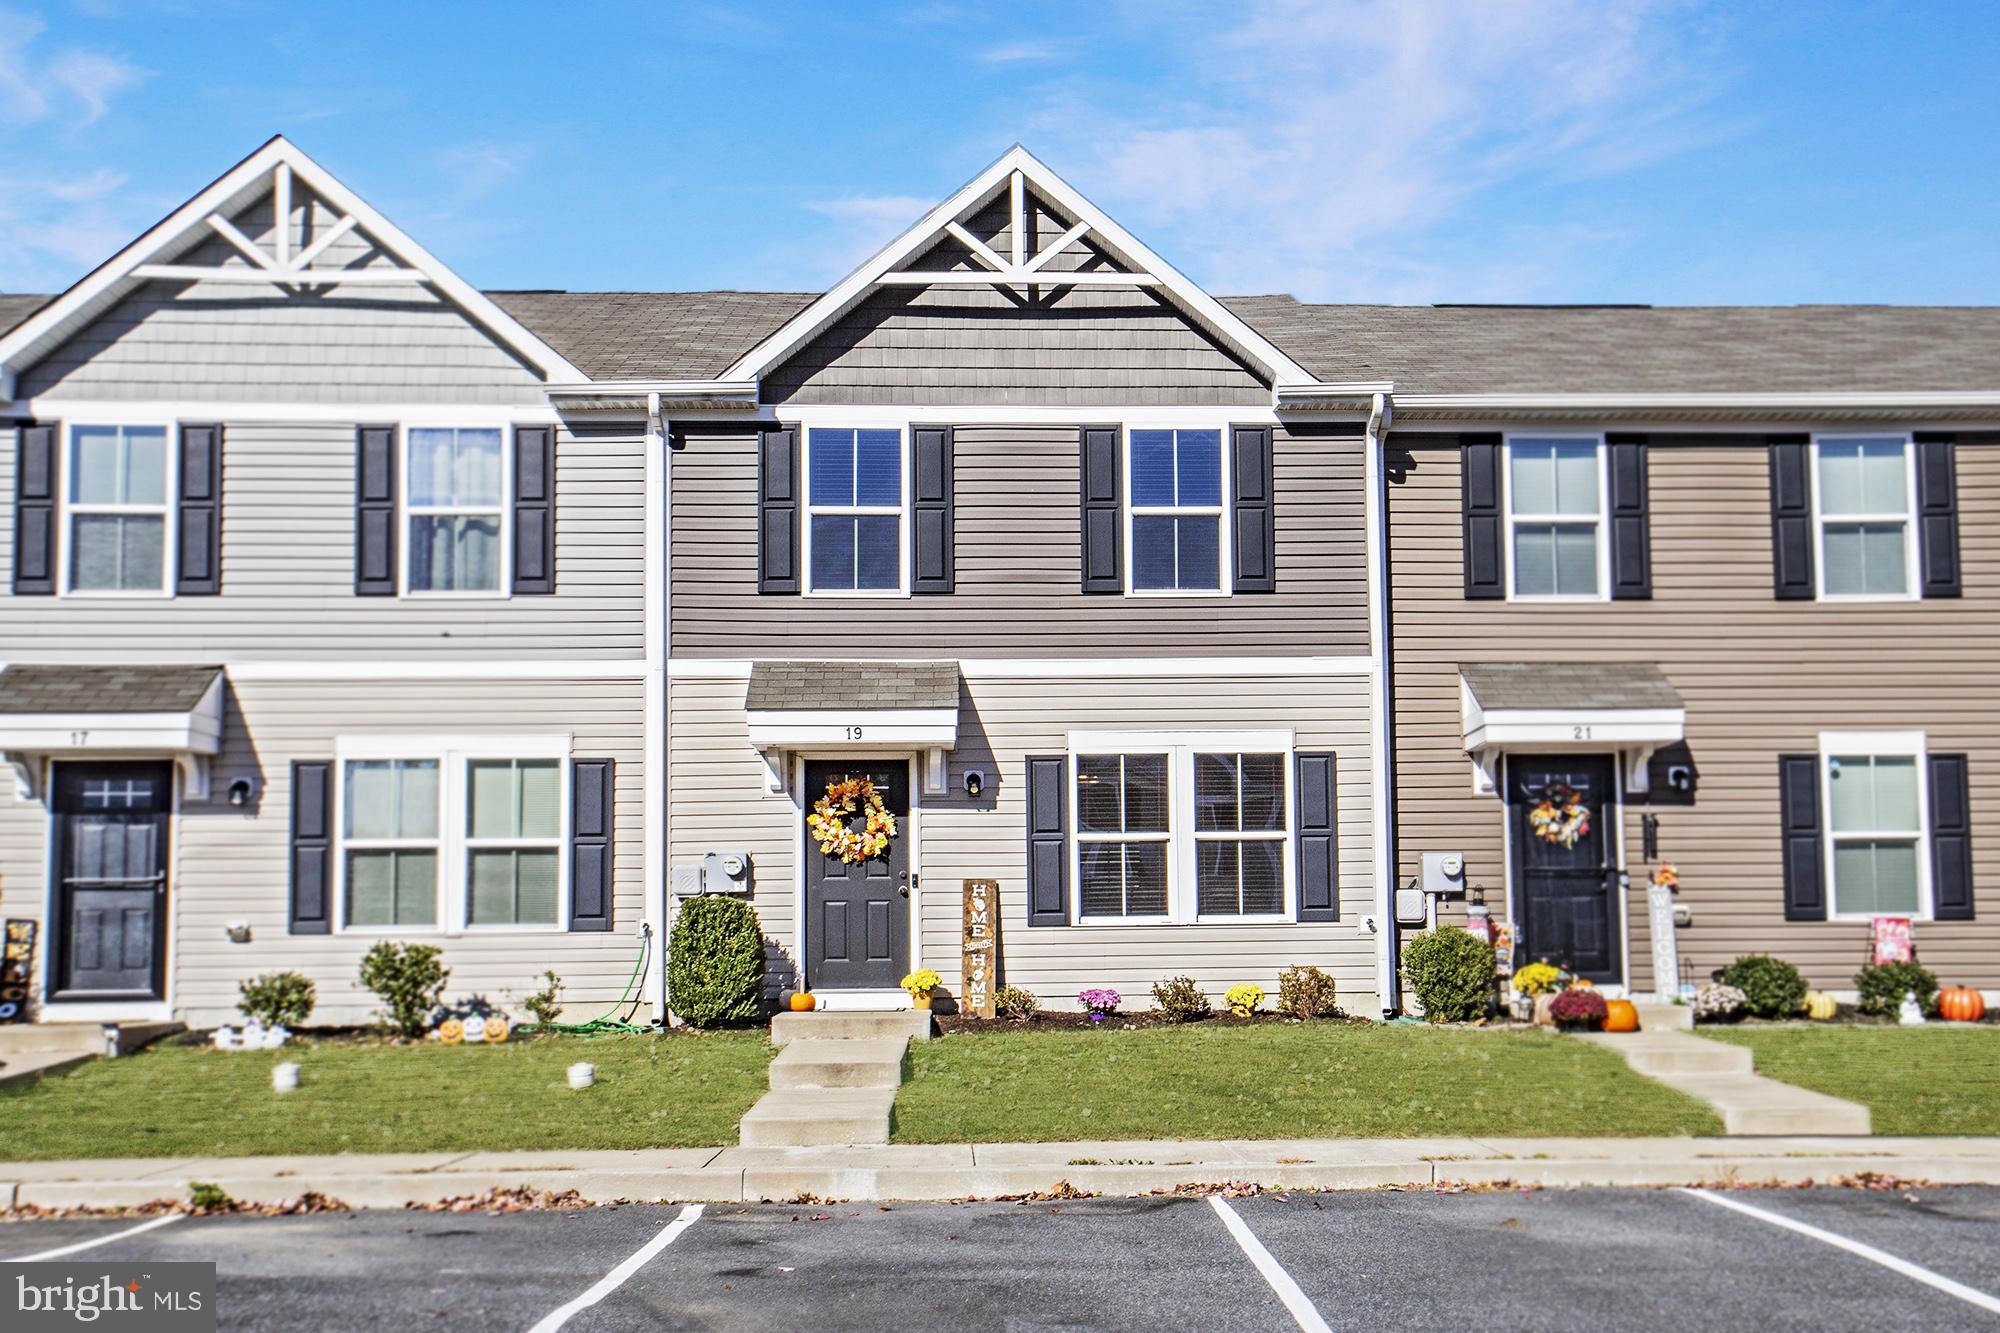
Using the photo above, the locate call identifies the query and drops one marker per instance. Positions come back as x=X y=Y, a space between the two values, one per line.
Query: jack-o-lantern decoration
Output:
x=495 y=1028
x=1961 y=1004
x=451 y=1032
x=1621 y=1016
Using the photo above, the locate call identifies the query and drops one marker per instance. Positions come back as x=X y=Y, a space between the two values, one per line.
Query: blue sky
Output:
x=1354 y=150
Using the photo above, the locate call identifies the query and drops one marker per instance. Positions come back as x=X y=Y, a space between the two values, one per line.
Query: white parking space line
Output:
x=83 y=1245
x=1301 y=1309
x=615 y=1279
x=1915 y=1272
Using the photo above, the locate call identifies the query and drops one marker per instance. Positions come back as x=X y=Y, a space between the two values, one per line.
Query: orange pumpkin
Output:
x=1961 y=1004
x=802 y=1002
x=1621 y=1016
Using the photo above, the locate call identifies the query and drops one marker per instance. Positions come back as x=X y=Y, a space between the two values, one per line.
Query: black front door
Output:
x=858 y=913
x=110 y=833
x=1564 y=810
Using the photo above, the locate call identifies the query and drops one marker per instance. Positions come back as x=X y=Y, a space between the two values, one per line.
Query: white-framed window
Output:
x=1864 y=499
x=1180 y=827
x=452 y=834
x=118 y=528
x=1175 y=521
x=455 y=511
x=857 y=511
x=1555 y=501
x=1877 y=824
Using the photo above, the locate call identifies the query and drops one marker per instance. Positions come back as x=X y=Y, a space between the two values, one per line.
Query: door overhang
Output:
x=1627 y=709
x=852 y=708
x=100 y=712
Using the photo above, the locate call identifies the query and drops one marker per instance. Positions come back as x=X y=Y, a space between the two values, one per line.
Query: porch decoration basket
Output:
x=829 y=824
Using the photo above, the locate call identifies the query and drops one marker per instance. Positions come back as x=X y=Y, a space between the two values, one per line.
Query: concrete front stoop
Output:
x=834 y=1081
x=1725 y=1077
x=27 y=1049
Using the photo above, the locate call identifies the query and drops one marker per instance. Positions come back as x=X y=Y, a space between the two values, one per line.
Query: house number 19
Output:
x=854 y=733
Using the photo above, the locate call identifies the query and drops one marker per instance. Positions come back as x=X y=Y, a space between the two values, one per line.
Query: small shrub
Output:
x=1306 y=992
x=277 y=998
x=1100 y=1002
x=409 y=980
x=1179 y=1000
x=1884 y=985
x=715 y=962
x=1015 y=1003
x=544 y=1005
x=207 y=1197
x=1243 y=998
x=1578 y=1009
x=1772 y=987
x=1718 y=1003
x=1451 y=971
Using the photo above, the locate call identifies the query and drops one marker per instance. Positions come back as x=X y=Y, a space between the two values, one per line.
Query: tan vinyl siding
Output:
x=1759 y=678
x=1018 y=566
x=717 y=801
x=288 y=570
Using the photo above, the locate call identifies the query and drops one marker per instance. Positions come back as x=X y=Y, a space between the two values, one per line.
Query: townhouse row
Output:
x=344 y=601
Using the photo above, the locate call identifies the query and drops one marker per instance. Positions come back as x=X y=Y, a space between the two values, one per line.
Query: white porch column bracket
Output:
x=26 y=769
x=937 y=780
x=194 y=775
x=1638 y=761
x=776 y=761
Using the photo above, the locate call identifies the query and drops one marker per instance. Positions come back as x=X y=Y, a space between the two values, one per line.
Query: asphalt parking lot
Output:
x=1924 y=1259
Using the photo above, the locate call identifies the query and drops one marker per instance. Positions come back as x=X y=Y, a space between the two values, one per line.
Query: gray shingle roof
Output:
x=104 y=689
x=1569 y=685
x=652 y=335
x=14 y=309
x=782 y=686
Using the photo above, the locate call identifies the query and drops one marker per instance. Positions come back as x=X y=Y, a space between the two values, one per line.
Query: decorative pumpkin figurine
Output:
x=496 y=1028
x=1960 y=1004
x=803 y=1002
x=1621 y=1016
x=1820 y=1006
x=451 y=1032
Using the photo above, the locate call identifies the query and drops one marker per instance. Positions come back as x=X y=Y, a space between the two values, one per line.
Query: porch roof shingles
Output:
x=873 y=686
x=103 y=689
x=1569 y=686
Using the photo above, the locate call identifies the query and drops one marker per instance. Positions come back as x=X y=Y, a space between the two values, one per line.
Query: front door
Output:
x=110 y=834
x=1564 y=810
x=857 y=931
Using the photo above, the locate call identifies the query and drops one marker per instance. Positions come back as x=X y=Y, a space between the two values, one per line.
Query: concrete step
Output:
x=1750 y=1104
x=854 y=1062
x=851 y=1025
x=1655 y=1017
x=818 y=1117
x=73 y=1038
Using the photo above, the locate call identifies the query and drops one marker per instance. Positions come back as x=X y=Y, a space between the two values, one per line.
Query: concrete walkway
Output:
x=960 y=1171
x=834 y=1081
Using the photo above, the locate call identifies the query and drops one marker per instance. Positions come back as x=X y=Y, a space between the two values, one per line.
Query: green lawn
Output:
x=1278 y=1081
x=1915 y=1080
x=683 y=1090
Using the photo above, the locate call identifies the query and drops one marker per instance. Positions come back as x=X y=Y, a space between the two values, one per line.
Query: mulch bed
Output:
x=1064 y=1021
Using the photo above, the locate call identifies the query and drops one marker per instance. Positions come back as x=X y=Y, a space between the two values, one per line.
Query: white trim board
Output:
x=130 y=412
x=1078 y=668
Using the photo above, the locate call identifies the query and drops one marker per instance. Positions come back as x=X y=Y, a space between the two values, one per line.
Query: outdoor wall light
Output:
x=975 y=782
x=241 y=790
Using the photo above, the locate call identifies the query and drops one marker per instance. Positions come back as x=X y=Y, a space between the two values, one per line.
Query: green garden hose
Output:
x=604 y=1024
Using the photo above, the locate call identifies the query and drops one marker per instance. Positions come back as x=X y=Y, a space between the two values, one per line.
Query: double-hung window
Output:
x=456 y=510
x=1877 y=839
x=856 y=506
x=1865 y=491
x=390 y=831
x=118 y=517
x=1176 y=514
x=1182 y=827
x=513 y=839
x=1555 y=516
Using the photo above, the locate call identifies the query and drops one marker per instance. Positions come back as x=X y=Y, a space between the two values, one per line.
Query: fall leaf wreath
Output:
x=1561 y=817
x=830 y=819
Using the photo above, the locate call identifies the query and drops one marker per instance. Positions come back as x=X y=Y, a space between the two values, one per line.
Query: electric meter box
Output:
x=1444 y=872
x=725 y=872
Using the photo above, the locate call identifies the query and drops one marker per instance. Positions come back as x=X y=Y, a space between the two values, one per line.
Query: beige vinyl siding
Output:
x=717 y=801
x=288 y=570
x=1019 y=565
x=1759 y=677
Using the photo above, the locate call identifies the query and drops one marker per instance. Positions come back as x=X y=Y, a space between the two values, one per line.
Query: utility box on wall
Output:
x=1444 y=872
x=725 y=872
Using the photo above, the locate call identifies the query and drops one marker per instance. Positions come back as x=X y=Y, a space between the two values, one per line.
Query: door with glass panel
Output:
x=110 y=832
x=1875 y=825
x=1564 y=810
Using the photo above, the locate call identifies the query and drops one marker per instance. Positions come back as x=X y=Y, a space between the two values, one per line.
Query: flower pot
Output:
x=920 y=1001
x=1542 y=1016
x=1523 y=1007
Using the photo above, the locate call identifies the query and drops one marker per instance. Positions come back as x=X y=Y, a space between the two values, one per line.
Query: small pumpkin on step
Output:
x=802 y=1002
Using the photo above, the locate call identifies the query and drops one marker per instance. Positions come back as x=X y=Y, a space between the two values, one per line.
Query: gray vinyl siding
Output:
x=1018 y=566
x=231 y=342
x=717 y=800
x=288 y=570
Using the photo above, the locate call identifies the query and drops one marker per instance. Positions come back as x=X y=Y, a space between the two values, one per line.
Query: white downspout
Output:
x=1381 y=412
x=657 y=530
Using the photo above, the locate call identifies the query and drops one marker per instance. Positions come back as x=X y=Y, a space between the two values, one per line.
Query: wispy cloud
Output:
x=1020 y=53
x=70 y=83
x=475 y=170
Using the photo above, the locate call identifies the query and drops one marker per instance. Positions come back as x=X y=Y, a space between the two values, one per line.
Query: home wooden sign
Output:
x=982 y=946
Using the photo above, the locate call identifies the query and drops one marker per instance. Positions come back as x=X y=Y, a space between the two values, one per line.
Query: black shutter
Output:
x=1805 y=867
x=198 y=571
x=1631 y=523
x=375 y=511
x=35 y=508
x=312 y=847
x=1485 y=528
x=1937 y=514
x=534 y=509
x=1951 y=839
x=1791 y=518
x=1256 y=542
x=1048 y=840
x=778 y=510
x=1319 y=838
x=591 y=813
x=931 y=509
x=1103 y=535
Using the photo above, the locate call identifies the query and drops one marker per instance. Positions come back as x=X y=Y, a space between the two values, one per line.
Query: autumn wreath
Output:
x=1561 y=817
x=831 y=813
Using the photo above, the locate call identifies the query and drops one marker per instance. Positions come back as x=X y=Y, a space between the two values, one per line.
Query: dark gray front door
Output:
x=1565 y=885
x=111 y=879
x=858 y=915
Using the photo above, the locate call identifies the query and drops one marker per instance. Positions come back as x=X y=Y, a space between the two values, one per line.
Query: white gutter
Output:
x=1357 y=396
x=1381 y=412
x=1980 y=398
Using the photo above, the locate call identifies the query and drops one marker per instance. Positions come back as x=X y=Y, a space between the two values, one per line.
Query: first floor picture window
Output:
x=456 y=510
x=118 y=509
x=392 y=842
x=1122 y=834
x=1875 y=829
x=1239 y=831
x=513 y=832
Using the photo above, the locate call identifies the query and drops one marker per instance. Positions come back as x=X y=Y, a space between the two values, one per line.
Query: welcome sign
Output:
x=155 y=1298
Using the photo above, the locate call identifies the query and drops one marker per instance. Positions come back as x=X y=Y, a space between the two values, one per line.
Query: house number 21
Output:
x=1580 y=733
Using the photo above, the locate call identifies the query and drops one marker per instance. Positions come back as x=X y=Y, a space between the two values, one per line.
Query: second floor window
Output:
x=1555 y=516
x=118 y=514
x=1176 y=516
x=1865 y=490
x=456 y=510
x=854 y=493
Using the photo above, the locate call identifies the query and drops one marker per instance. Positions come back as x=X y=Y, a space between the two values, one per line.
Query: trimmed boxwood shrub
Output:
x=715 y=962
x=277 y=998
x=1884 y=985
x=1451 y=971
x=1772 y=987
x=1180 y=1000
